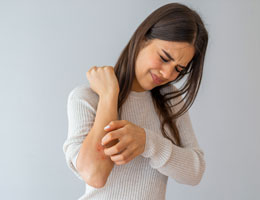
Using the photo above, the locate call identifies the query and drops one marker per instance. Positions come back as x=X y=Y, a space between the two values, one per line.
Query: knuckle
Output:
x=129 y=159
x=112 y=158
x=117 y=149
x=112 y=123
x=109 y=136
x=123 y=157
x=125 y=130
x=91 y=70
x=110 y=69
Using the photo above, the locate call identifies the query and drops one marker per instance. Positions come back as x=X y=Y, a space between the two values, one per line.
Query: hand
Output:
x=131 y=141
x=103 y=80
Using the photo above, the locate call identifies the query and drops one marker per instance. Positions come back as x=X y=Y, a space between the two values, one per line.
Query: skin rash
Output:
x=100 y=149
x=152 y=58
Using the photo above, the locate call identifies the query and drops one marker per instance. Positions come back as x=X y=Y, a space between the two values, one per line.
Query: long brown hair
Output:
x=171 y=22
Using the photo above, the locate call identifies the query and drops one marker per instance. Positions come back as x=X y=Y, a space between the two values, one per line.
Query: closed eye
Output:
x=164 y=60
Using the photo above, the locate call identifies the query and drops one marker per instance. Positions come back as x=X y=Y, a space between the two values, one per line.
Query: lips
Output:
x=156 y=79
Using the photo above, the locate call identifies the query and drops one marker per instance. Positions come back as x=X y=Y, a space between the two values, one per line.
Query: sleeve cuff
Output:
x=74 y=161
x=158 y=148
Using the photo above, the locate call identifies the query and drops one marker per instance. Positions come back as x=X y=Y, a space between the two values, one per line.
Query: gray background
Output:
x=46 y=47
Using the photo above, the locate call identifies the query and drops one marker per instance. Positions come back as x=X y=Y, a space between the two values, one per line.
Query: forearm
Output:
x=93 y=164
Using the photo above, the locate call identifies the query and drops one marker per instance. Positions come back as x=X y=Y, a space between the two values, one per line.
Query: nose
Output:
x=166 y=72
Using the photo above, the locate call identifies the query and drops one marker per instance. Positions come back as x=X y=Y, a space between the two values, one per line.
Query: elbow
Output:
x=92 y=180
x=95 y=183
x=89 y=177
x=196 y=182
x=198 y=176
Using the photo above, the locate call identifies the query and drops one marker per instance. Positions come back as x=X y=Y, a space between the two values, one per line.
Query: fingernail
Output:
x=107 y=127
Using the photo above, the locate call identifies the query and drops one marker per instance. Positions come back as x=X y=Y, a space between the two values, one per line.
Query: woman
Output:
x=149 y=136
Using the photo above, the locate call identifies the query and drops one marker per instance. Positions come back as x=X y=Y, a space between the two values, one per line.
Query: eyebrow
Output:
x=169 y=56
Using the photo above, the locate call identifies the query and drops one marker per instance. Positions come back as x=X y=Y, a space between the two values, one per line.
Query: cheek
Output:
x=151 y=63
x=155 y=64
x=146 y=63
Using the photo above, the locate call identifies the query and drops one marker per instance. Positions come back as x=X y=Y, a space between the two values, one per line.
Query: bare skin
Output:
x=100 y=149
x=93 y=165
x=149 y=60
x=123 y=141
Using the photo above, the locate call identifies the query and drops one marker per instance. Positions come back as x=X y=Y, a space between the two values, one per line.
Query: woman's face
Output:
x=151 y=60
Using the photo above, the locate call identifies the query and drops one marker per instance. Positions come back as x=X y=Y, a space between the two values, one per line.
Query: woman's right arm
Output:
x=93 y=165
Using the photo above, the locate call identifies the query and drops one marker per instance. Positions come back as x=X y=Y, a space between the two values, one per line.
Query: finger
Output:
x=121 y=162
x=118 y=148
x=116 y=134
x=122 y=156
x=116 y=124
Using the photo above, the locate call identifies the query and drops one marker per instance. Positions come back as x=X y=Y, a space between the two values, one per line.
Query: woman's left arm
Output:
x=184 y=164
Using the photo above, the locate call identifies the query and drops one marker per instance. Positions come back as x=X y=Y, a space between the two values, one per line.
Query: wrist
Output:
x=109 y=96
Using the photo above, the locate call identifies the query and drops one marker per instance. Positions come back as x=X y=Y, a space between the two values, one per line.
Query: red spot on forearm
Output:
x=100 y=149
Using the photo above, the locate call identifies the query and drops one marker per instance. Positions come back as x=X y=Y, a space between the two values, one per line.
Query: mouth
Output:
x=156 y=79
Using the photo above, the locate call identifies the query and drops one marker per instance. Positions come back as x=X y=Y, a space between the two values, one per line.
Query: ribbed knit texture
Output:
x=145 y=177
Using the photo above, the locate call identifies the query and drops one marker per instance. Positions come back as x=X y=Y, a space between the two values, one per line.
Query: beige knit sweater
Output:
x=145 y=177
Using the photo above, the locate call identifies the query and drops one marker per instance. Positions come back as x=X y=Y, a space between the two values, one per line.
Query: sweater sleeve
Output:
x=184 y=164
x=81 y=117
x=74 y=160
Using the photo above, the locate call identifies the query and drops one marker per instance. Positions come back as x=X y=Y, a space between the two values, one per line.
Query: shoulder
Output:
x=84 y=93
